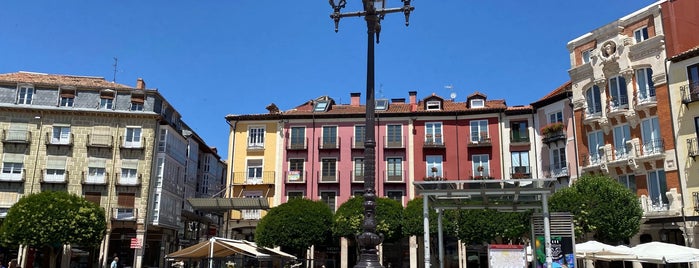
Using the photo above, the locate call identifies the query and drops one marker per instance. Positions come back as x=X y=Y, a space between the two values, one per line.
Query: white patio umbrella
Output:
x=600 y=251
x=659 y=252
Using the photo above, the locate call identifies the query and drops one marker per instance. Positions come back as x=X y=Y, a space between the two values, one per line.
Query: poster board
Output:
x=507 y=256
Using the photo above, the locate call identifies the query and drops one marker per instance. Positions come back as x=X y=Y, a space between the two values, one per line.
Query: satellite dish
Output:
x=453 y=95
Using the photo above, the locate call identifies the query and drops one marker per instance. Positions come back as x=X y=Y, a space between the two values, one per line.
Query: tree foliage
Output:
x=52 y=219
x=476 y=226
x=350 y=216
x=296 y=224
x=413 y=218
x=600 y=206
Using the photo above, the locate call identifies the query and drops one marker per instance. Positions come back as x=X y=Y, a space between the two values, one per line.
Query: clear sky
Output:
x=211 y=58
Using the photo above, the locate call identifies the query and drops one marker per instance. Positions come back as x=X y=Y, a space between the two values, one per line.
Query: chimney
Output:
x=140 y=84
x=400 y=100
x=354 y=99
x=413 y=100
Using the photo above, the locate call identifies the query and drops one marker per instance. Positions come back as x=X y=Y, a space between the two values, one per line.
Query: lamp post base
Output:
x=369 y=260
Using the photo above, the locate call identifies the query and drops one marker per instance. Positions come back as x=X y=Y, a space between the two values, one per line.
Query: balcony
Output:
x=100 y=141
x=395 y=176
x=329 y=143
x=19 y=175
x=593 y=114
x=692 y=148
x=124 y=214
x=653 y=149
x=593 y=160
x=622 y=152
x=251 y=214
x=483 y=140
x=16 y=136
x=435 y=141
x=553 y=137
x=56 y=176
x=690 y=92
x=95 y=179
x=256 y=146
x=59 y=141
x=132 y=145
x=297 y=144
x=253 y=178
x=294 y=176
x=328 y=176
x=128 y=180
x=646 y=100
x=518 y=139
x=557 y=170
x=393 y=142
x=618 y=106
x=358 y=143
x=520 y=172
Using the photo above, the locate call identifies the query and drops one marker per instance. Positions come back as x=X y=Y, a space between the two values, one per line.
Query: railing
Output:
x=95 y=179
x=128 y=181
x=484 y=174
x=297 y=145
x=329 y=143
x=124 y=214
x=433 y=141
x=16 y=136
x=245 y=178
x=330 y=178
x=593 y=111
x=619 y=104
x=519 y=139
x=14 y=177
x=50 y=140
x=357 y=143
x=690 y=92
x=253 y=146
x=520 y=172
x=692 y=147
x=393 y=142
x=622 y=152
x=593 y=159
x=653 y=147
x=395 y=175
x=100 y=140
x=482 y=140
x=647 y=98
x=136 y=145
x=554 y=136
x=294 y=176
x=54 y=178
x=556 y=170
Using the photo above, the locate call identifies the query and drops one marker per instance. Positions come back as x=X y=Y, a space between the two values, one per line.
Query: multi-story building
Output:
x=118 y=146
x=624 y=124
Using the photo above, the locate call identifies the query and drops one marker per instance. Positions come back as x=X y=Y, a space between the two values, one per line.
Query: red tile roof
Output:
x=60 y=80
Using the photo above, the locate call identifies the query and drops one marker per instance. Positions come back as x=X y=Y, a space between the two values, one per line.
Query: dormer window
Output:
x=137 y=100
x=25 y=94
x=107 y=99
x=433 y=105
x=477 y=103
x=320 y=106
x=67 y=97
x=381 y=105
x=641 y=34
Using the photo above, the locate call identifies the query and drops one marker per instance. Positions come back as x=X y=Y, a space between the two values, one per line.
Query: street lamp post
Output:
x=374 y=11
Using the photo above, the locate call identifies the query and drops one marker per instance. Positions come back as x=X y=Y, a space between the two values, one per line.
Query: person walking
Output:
x=115 y=263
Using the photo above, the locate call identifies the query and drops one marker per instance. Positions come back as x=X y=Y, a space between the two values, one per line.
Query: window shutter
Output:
x=126 y=200
x=13 y=158
x=97 y=162
x=93 y=197
x=56 y=162
x=129 y=163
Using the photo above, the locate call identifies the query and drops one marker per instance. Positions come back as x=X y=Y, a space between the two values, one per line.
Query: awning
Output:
x=218 y=247
x=224 y=204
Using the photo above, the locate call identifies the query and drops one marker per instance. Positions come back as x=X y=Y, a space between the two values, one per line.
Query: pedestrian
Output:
x=115 y=263
x=13 y=263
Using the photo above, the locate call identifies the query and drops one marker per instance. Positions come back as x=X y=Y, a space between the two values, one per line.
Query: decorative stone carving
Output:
x=608 y=49
x=674 y=199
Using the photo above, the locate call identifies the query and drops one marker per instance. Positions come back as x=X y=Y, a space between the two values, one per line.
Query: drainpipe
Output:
x=458 y=162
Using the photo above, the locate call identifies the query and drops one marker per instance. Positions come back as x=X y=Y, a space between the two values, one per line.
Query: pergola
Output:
x=513 y=195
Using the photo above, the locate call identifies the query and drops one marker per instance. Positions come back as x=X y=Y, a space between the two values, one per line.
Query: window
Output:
x=434 y=166
x=256 y=138
x=320 y=106
x=520 y=163
x=394 y=136
x=129 y=172
x=359 y=135
x=559 y=163
x=358 y=174
x=586 y=56
x=650 y=130
x=617 y=88
x=133 y=137
x=395 y=195
x=329 y=199
x=657 y=186
x=646 y=89
x=433 y=105
x=479 y=131
x=629 y=181
x=556 y=117
x=519 y=131
x=477 y=103
x=328 y=170
x=480 y=165
x=254 y=168
x=251 y=214
x=294 y=194
x=12 y=166
x=136 y=106
x=381 y=105
x=693 y=77
x=60 y=135
x=298 y=138
x=622 y=134
x=329 y=137
x=55 y=169
x=394 y=169
x=137 y=100
x=107 y=99
x=433 y=133
x=25 y=94
x=641 y=34
x=594 y=102
x=595 y=141
x=66 y=97
x=96 y=172
x=296 y=173
x=358 y=193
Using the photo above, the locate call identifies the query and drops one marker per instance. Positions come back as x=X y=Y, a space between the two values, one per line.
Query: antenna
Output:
x=451 y=88
x=115 y=69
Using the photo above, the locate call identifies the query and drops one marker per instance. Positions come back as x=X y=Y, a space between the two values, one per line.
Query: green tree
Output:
x=296 y=225
x=476 y=226
x=600 y=206
x=49 y=220
x=413 y=219
x=350 y=216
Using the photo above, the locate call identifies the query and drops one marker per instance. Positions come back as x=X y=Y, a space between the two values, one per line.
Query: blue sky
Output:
x=218 y=57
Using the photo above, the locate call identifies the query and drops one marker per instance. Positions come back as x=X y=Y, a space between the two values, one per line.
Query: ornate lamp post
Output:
x=374 y=12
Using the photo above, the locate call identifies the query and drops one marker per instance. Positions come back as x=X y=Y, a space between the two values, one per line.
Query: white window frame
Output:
x=657 y=188
x=106 y=103
x=381 y=104
x=328 y=139
x=433 y=105
x=325 y=174
x=329 y=194
x=434 y=161
x=433 y=133
x=394 y=170
x=358 y=169
x=256 y=137
x=25 y=94
x=559 y=164
x=128 y=176
x=650 y=133
x=477 y=103
x=96 y=174
x=254 y=171
x=480 y=127
x=136 y=106
x=133 y=137
x=297 y=136
x=478 y=160
x=618 y=92
x=394 y=134
x=321 y=106
x=60 y=134
x=12 y=170
x=594 y=98
x=596 y=139
x=622 y=134
x=555 y=117
x=359 y=136
x=646 y=88
x=301 y=173
x=641 y=34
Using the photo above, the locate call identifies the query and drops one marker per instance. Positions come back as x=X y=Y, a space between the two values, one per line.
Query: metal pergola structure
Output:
x=513 y=195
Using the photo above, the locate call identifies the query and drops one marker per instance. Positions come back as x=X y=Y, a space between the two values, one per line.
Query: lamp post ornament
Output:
x=374 y=11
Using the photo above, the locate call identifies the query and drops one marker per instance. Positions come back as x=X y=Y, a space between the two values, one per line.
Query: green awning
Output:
x=224 y=204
